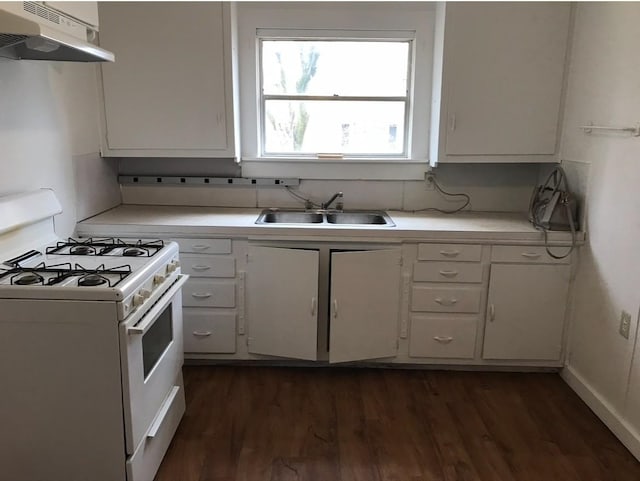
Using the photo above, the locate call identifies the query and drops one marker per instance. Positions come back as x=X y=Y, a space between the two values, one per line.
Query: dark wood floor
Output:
x=340 y=424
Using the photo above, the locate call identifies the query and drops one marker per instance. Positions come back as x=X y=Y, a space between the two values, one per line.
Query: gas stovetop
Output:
x=107 y=247
x=103 y=268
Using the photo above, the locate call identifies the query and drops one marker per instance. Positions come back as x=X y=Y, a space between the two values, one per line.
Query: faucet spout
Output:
x=335 y=196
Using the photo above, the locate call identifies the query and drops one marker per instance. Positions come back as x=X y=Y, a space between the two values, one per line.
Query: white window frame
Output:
x=340 y=35
x=392 y=20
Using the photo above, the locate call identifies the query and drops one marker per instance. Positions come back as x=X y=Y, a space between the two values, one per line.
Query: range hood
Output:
x=34 y=31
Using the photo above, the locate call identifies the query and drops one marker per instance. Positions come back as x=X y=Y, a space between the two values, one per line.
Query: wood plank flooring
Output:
x=344 y=424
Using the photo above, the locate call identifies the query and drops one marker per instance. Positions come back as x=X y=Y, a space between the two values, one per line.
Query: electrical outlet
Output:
x=429 y=178
x=625 y=324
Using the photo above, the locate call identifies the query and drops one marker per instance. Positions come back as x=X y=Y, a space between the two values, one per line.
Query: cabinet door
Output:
x=166 y=90
x=525 y=311
x=504 y=68
x=282 y=302
x=365 y=299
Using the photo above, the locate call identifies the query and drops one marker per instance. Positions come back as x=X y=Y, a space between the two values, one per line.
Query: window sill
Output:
x=339 y=169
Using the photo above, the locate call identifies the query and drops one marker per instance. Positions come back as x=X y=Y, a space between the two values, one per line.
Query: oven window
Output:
x=156 y=340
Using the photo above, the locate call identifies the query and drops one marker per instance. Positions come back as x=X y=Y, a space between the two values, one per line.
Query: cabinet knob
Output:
x=201 y=333
x=203 y=295
x=449 y=273
x=492 y=312
x=200 y=268
x=445 y=302
x=452 y=122
x=443 y=340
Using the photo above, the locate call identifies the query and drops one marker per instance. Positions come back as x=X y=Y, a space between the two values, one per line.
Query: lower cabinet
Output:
x=487 y=305
x=351 y=297
x=282 y=302
x=443 y=337
x=209 y=298
x=525 y=312
x=365 y=298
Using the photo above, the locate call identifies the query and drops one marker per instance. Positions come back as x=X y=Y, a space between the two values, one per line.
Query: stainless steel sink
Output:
x=276 y=216
x=368 y=218
x=289 y=217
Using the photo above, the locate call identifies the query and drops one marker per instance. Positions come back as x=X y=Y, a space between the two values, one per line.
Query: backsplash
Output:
x=492 y=187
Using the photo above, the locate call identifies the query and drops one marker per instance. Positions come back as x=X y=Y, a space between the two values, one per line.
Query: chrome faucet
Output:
x=335 y=196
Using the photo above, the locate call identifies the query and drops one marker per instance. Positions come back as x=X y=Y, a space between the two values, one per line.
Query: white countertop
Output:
x=184 y=221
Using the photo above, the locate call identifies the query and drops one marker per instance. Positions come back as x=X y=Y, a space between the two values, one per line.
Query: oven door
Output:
x=151 y=359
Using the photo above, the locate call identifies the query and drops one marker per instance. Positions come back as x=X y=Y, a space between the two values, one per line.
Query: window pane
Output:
x=346 y=68
x=349 y=127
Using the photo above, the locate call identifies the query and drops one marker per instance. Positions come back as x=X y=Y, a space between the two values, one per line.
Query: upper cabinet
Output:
x=503 y=67
x=170 y=92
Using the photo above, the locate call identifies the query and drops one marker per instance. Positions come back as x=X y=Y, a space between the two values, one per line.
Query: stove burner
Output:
x=82 y=250
x=91 y=280
x=134 y=252
x=107 y=246
x=29 y=279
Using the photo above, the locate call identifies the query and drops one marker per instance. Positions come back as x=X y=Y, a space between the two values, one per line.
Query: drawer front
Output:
x=205 y=246
x=445 y=299
x=447 y=272
x=206 y=330
x=442 y=337
x=528 y=254
x=449 y=252
x=208 y=266
x=144 y=463
x=209 y=293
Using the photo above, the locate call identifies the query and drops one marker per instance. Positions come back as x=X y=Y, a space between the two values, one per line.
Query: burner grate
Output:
x=24 y=276
x=104 y=246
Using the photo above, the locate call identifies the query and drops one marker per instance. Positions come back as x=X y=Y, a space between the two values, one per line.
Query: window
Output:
x=337 y=97
x=335 y=90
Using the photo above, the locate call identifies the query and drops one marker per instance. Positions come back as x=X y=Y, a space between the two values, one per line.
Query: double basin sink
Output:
x=348 y=217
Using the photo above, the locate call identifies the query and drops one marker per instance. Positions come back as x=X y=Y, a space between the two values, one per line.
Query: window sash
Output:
x=337 y=35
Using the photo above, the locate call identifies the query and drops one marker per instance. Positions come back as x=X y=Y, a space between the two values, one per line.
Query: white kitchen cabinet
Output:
x=170 y=91
x=447 y=294
x=525 y=311
x=212 y=298
x=365 y=300
x=282 y=302
x=285 y=303
x=503 y=68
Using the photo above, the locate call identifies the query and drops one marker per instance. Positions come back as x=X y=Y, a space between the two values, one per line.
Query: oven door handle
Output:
x=150 y=317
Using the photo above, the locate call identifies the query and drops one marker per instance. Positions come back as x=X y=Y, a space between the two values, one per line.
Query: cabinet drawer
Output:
x=144 y=463
x=528 y=254
x=209 y=293
x=442 y=337
x=447 y=272
x=449 y=252
x=205 y=246
x=445 y=299
x=208 y=266
x=206 y=330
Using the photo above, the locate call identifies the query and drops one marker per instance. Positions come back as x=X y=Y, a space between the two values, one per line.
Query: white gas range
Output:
x=90 y=350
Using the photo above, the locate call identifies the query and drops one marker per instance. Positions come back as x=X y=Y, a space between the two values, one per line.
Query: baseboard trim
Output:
x=603 y=409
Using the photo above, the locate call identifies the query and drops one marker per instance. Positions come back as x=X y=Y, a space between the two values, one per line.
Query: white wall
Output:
x=492 y=187
x=604 y=87
x=49 y=137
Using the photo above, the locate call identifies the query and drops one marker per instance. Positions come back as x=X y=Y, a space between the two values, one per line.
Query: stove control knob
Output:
x=172 y=266
x=138 y=300
x=158 y=279
x=145 y=293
